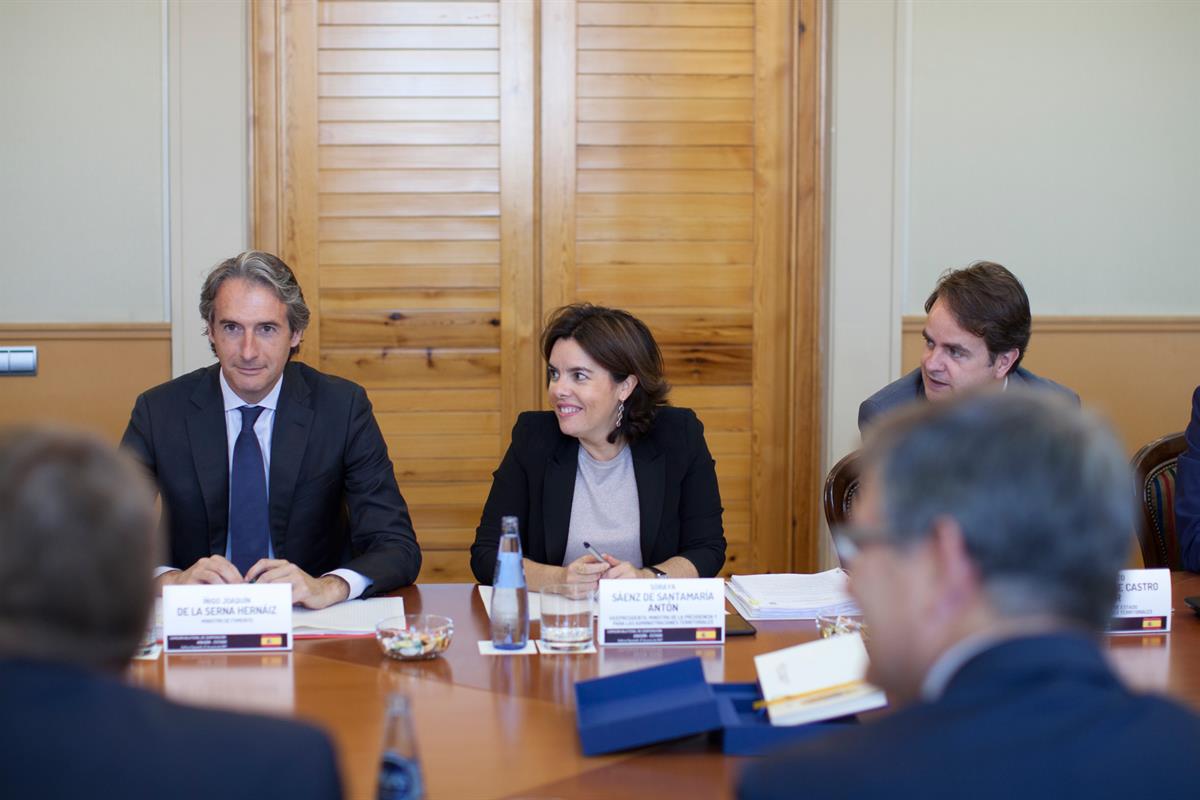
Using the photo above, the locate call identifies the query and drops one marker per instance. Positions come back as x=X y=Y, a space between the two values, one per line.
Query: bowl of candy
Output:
x=414 y=637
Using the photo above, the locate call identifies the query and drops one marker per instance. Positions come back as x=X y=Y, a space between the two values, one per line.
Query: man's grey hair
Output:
x=78 y=543
x=266 y=270
x=1042 y=491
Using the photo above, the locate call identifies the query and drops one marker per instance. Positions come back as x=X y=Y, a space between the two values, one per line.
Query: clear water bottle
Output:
x=510 y=598
x=399 y=767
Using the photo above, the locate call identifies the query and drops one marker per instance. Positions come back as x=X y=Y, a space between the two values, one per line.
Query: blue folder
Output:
x=672 y=700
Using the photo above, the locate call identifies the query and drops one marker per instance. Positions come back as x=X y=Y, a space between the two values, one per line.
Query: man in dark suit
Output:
x=269 y=470
x=77 y=542
x=984 y=552
x=1187 y=493
x=976 y=334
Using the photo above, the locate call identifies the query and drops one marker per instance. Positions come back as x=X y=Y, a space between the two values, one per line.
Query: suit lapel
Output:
x=289 y=438
x=558 y=493
x=650 y=473
x=210 y=456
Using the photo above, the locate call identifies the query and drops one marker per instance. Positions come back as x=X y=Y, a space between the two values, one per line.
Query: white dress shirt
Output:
x=263 y=428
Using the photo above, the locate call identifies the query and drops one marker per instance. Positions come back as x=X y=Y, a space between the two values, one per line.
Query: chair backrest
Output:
x=840 y=488
x=1154 y=467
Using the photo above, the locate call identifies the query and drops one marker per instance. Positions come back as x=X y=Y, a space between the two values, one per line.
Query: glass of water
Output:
x=567 y=617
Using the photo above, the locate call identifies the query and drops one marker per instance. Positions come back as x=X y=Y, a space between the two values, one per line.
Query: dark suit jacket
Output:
x=1187 y=493
x=1039 y=717
x=328 y=459
x=678 y=499
x=911 y=388
x=67 y=732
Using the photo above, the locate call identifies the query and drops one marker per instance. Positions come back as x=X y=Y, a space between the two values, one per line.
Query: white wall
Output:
x=81 y=179
x=210 y=169
x=1061 y=138
x=84 y=207
x=866 y=194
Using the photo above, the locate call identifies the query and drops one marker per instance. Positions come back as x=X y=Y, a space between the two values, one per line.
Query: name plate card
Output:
x=1143 y=602
x=686 y=611
x=227 y=618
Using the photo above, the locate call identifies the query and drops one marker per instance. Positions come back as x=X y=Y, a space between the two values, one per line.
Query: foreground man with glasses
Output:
x=984 y=552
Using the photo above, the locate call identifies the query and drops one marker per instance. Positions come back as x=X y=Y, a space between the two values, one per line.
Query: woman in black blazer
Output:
x=660 y=507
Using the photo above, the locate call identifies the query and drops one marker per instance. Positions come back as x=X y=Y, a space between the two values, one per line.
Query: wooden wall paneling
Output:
x=808 y=248
x=442 y=196
x=297 y=137
x=771 y=520
x=519 y=323
x=558 y=199
x=666 y=210
x=424 y=220
x=88 y=374
x=1149 y=395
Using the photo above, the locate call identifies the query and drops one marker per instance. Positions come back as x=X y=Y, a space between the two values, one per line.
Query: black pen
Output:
x=594 y=552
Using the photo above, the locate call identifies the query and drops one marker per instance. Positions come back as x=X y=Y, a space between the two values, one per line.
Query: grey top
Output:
x=604 y=511
x=911 y=388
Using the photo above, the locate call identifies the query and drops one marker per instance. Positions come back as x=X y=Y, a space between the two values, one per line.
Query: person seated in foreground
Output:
x=611 y=465
x=78 y=539
x=976 y=335
x=270 y=471
x=984 y=551
x=1187 y=493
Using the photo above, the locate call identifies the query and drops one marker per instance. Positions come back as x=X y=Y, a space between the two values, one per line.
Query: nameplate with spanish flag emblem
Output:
x=1143 y=602
x=227 y=618
x=688 y=611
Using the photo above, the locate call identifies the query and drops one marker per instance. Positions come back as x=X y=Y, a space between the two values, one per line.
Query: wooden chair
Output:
x=840 y=488
x=1154 y=466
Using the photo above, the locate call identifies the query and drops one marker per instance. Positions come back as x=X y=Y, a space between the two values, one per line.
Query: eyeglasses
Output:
x=849 y=540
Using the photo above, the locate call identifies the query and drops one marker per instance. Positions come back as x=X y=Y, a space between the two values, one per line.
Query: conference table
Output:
x=504 y=726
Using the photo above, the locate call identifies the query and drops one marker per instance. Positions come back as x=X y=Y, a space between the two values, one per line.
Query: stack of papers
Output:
x=787 y=596
x=351 y=618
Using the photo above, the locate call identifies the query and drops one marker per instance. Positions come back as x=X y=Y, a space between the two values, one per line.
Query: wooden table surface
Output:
x=505 y=726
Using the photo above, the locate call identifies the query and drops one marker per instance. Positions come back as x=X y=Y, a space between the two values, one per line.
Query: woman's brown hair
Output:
x=623 y=345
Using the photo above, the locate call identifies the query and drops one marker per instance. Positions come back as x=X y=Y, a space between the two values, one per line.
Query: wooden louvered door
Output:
x=443 y=174
x=406 y=204
x=666 y=192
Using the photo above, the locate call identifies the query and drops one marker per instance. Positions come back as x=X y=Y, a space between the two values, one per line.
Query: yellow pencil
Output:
x=813 y=695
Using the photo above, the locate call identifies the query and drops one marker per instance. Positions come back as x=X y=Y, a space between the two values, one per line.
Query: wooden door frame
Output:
x=809 y=143
x=283 y=144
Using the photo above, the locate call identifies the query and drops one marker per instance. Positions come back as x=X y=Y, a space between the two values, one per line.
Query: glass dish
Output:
x=414 y=637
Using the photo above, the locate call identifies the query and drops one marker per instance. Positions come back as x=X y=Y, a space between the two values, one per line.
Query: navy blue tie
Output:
x=249 y=526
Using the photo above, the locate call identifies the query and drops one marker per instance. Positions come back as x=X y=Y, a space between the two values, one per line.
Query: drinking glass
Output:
x=567 y=617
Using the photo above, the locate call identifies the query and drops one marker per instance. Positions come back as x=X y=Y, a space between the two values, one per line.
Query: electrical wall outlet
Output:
x=18 y=360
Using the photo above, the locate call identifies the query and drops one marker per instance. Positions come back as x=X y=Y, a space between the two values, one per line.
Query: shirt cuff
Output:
x=358 y=583
x=160 y=571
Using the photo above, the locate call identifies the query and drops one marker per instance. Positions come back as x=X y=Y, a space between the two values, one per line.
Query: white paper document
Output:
x=351 y=618
x=817 y=680
x=791 y=596
x=535 y=603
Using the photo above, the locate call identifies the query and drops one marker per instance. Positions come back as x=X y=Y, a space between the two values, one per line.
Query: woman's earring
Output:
x=620 y=412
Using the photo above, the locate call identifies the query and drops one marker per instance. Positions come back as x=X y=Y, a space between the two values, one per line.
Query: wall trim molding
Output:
x=1088 y=323
x=86 y=330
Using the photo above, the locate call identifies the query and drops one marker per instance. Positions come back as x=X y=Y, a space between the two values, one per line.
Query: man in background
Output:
x=271 y=471
x=984 y=552
x=976 y=334
x=1187 y=493
x=78 y=540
